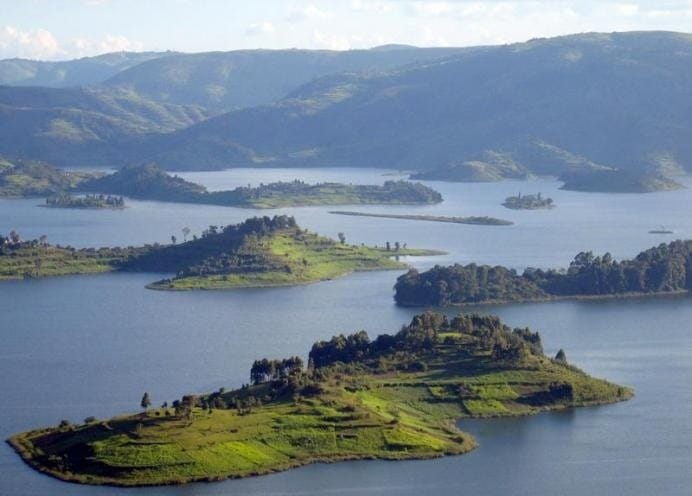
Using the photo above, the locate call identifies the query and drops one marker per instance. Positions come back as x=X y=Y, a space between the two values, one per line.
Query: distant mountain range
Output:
x=602 y=111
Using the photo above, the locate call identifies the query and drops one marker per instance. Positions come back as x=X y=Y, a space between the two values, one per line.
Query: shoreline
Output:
x=549 y=299
x=15 y=442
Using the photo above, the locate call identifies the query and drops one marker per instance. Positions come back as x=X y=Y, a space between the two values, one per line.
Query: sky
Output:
x=64 y=29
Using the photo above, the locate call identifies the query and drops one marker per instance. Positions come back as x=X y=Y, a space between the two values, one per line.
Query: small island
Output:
x=149 y=182
x=97 y=202
x=528 y=202
x=479 y=221
x=662 y=270
x=395 y=397
x=259 y=252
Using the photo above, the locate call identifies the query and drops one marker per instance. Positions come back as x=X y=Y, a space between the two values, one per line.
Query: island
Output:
x=528 y=202
x=662 y=270
x=149 y=182
x=259 y=252
x=395 y=397
x=481 y=221
x=98 y=202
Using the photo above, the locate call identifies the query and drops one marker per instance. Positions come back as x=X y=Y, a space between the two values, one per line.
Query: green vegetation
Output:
x=64 y=200
x=482 y=221
x=149 y=182
x=618 y=181
x=258 y=252
x=20 y=178
x=664 y=269
x=528 y=202
x=392 y=398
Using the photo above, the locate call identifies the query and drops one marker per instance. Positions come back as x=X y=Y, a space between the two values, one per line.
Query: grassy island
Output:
x=395 y=397
x=149 y=182
x=481 y=221
x=98 y=202
x=261 y=251
x=528 y=202
x=665 y=269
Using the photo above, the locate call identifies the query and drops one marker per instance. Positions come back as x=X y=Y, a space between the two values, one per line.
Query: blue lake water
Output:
x=89 y=345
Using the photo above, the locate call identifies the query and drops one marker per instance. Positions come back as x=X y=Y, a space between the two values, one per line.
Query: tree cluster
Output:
x=665 y=268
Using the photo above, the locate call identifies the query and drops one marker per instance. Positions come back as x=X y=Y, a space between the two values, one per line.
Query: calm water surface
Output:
x=89 y=345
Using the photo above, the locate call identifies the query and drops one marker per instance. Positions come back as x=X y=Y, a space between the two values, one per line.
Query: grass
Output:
x=358 y=415
x=46 y=261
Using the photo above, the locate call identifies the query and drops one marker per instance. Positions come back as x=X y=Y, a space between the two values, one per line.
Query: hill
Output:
x=258 y=252
x=224 y=81
x=80 y=126
x=66 y=73
x=26 y=178
x=664 y=269
x=392 y=398
x=581 y=103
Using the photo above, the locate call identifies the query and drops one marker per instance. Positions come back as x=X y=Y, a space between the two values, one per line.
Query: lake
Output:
x=90 y=345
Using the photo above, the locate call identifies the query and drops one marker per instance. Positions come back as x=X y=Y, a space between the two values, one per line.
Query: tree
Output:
x=146 y=401
x=15 y=237
x=173 y=239
x=397 y=246
x=43 y=239
x=388 y=246
x=186 y=233
x=561 y=356
x=342 y=238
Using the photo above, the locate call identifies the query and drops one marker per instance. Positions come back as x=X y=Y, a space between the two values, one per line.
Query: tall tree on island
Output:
x=146 y=401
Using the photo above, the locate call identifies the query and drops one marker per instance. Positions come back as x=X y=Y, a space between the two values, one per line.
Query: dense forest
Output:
x=666 y=268
x=64 y=200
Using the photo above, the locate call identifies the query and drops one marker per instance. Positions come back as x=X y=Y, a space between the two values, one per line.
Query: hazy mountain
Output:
x=78 y=72
x=77 y=126
x=223 y=81
x=548 y=106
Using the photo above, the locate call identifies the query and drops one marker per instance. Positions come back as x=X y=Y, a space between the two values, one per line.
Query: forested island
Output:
x=481 y=221
x=98 y=202
x=528 y=202
x=260 y=251
x=394 y=397
x=665 y=269
x=149 y=182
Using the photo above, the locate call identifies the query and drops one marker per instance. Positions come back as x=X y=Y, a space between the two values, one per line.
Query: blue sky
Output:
x=60 y=29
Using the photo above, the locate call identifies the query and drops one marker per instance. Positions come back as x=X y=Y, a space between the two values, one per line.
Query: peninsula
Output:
x=528 y=202
x=395 y=397
x=481 y=221
x=149 y=182
x=665 y=269
x=260 y=251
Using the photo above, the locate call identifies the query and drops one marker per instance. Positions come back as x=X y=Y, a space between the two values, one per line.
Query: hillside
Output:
x=584 y=103
x=66 y=73
x=26 y=178
x=258 y=252
x=392 y=398
x=80 y=126
x=223 y=81
x=149 y=182
x=665 y=269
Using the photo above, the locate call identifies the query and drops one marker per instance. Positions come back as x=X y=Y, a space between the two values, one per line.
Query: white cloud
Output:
x=260 y=28
x=81 y=47
x=309 y=12
x=33 y=44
